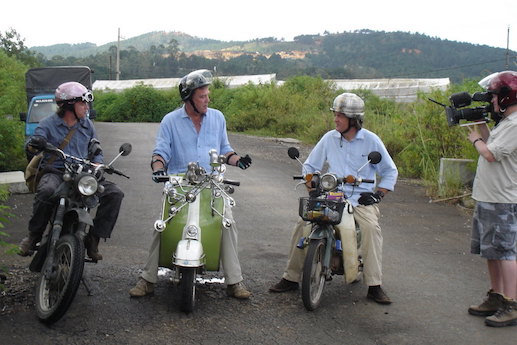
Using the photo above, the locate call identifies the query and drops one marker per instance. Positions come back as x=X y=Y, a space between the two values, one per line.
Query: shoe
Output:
x=238 y=291
x=490 y=305
x=504 y=316
x=142 y=288
x=283 y=286
x=28 y=244
x=378 y=295
x=92 y=247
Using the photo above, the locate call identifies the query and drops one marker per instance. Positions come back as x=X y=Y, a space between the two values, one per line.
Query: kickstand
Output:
x=87 y=283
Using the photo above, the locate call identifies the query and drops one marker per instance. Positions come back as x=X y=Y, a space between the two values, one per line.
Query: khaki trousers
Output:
x=371 y=246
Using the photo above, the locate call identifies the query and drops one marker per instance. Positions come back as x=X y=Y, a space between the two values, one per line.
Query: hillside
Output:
x=357 y=54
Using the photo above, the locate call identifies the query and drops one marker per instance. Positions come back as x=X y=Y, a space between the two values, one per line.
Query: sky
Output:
x=43 y=23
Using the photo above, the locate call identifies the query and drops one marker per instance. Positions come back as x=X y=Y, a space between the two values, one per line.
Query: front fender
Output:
x=189 y=253
x=82 y=216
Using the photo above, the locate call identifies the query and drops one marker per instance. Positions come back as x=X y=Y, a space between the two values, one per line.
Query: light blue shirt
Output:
x=178 y=142
x=347 y=157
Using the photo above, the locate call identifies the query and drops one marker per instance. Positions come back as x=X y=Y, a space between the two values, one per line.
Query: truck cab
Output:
x=40 y=85
x=40 y=107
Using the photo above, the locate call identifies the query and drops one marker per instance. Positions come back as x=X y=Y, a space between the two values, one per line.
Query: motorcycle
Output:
x=192 y=222
x=60 y=256
x=328 y=254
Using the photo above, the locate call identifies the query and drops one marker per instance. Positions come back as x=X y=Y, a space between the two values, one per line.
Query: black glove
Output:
x=244 y=162
x=368 y=198
x=159 y=172
x=37 y=142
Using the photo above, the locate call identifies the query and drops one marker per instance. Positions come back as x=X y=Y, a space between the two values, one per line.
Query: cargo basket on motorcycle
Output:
x=321 y=210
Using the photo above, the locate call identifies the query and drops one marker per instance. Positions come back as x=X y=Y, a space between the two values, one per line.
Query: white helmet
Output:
x=349 y=104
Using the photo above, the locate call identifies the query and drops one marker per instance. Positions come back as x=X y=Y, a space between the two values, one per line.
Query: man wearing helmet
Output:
x=72 y=131
x=186 y=135
x=345 y=149
x=494 y=229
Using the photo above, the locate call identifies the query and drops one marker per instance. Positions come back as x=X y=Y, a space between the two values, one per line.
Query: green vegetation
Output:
x=4 y=214
x=358 y=54
x=12 y=102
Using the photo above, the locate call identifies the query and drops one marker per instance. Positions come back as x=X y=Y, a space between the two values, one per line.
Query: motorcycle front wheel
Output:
x=54 y=294
x=313 y=280
x=188 y=289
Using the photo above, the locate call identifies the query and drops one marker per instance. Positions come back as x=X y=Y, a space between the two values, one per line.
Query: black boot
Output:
x=92 y=247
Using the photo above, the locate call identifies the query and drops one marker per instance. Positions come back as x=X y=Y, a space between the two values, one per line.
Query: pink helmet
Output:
x=72 y=92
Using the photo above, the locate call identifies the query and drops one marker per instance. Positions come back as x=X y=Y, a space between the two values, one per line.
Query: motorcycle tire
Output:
x=188 y=289
x=313 y=280
x=54 y=296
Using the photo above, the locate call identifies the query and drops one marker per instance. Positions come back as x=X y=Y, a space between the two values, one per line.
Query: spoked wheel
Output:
x=54 y=294
x=188 y=289
x=313 y=280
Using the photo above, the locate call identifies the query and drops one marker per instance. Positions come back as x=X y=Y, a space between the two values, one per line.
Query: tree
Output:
x=13 y=45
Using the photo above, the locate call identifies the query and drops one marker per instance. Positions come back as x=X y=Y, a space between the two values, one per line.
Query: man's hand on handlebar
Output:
x=368 y=198
x=157 y=173
x=244 y=162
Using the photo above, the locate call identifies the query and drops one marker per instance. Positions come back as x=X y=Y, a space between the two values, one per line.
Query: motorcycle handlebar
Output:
x=298 y=177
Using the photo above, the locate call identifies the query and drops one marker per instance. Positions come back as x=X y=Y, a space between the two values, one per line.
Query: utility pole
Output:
x=507 y=48
x=118 y=56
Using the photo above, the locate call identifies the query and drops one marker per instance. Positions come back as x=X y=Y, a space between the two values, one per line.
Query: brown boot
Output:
x=28 y=244
x=490 y=305
x=92 y=247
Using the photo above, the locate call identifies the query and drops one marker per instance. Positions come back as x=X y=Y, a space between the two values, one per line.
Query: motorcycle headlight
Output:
x=328 y=182
x=87 y=185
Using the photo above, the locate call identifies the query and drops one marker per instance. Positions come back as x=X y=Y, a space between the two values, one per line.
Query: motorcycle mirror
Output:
x=293 y=152
x=374 y=157
x=125 y=149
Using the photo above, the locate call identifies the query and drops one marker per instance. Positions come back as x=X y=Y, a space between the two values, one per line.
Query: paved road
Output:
x=428 y=271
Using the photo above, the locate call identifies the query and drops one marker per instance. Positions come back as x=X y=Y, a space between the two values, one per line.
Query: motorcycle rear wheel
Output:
x=314 y=278
x=188 y=289
x=54 y=296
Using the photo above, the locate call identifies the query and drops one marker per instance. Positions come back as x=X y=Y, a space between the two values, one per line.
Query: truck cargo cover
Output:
x=45 y=80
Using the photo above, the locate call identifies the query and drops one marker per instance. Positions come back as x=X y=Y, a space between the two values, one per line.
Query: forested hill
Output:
x=358 y=54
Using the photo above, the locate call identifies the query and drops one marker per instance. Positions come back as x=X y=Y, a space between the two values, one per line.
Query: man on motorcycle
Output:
x=344 y=149
x=494 y=228
x=73 y=131
x=186 y=135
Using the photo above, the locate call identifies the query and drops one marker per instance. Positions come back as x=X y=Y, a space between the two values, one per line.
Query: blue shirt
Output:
x=178 y=142
x=54 y=130
x=346 y=157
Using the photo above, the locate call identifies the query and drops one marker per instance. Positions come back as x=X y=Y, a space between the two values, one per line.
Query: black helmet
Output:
x=194 y=80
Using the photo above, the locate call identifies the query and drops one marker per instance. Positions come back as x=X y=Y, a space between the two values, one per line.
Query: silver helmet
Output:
x=349 y=104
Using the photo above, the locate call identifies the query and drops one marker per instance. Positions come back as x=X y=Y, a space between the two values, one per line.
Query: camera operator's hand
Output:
x=159 y=172
x=368 y=198
x=244 y=162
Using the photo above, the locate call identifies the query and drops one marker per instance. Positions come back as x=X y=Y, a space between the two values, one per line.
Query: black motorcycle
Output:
x=60 y=256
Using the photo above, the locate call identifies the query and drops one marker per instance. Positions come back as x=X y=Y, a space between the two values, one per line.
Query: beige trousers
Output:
x=371 y=247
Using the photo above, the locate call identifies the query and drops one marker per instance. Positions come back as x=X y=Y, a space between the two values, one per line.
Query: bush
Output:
x=12 y=138
x=138 y=104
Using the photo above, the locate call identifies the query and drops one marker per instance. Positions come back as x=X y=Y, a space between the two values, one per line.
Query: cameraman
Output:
x=494 y=230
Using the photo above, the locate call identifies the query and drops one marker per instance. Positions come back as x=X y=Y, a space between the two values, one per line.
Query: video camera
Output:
x=460 y=100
